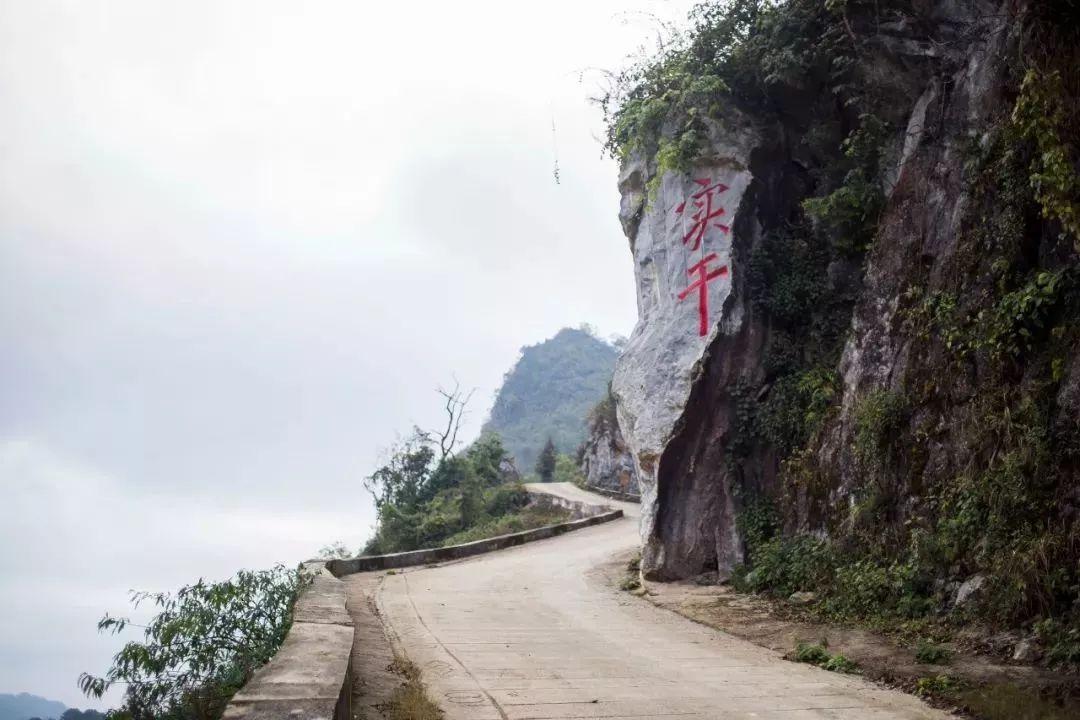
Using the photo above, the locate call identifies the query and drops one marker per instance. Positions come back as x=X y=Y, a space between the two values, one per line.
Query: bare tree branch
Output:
x=455 y=413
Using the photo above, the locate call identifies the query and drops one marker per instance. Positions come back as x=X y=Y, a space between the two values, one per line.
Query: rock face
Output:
x=682 y=239
x=606 y=461
x=699 y=377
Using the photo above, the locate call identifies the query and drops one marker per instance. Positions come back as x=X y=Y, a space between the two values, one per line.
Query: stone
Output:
x=969 y=590
x=1026 y=651
x=803 y=597
x=684 y=271
x=606 y=461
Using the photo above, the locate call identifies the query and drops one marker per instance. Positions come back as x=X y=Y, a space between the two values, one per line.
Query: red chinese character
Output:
x=704 y=275
x=703 y=201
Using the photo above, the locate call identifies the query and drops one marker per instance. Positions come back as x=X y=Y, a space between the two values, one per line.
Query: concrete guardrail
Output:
x=614 y=494
x=309 y=677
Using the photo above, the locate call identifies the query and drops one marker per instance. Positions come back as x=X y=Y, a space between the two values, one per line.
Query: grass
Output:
x=1011 y=702
x=815 y=654
x=411 y=701
x=937 y=685
x=930 y=653
x=528 y=518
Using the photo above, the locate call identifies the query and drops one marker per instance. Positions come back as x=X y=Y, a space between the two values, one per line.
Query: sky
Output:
x=241 y=244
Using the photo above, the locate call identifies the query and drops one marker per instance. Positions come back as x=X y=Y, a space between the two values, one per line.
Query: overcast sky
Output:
x=240 y=245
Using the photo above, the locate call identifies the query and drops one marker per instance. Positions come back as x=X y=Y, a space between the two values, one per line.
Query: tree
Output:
x=201 y=647
x=567 y=470
x=335 y=550
x=410 y=476
x=545 y=464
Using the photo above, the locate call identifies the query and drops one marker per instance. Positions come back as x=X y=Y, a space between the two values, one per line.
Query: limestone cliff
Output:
x=606 y=461
x=853 y=228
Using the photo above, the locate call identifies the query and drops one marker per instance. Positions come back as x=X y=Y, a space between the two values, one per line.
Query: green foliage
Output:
x=452 y=500
x=1043 y=115
x=797 y=405
x=814 y=654
x=937 y=685
x=757 y=524
x=743 y=50
x=567 y=470
x=930 y=653
x=1020 y=318
x=848 y=216
x=545 y=464
x=840 y=664
x=1062 y=642
x=866 y=588
x=204 y=643
x=549 y=393
x=335 y=550
x=879 y=416
x=782 y=566
x=523 y=518
x=811 y=653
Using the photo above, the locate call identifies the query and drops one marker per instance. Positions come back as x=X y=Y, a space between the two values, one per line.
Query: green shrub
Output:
x=783 y=566
x=930 y=653
x=840 y=664
x=204 y=643
x=815 y=654
x=1062 y=642
x=811 y=653
x=1041 y=113
x=879 y=416
x=937 y=685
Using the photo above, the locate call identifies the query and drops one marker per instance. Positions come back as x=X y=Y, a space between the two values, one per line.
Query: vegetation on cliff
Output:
x=960 y=470
x=548 y=393
x=204 y=643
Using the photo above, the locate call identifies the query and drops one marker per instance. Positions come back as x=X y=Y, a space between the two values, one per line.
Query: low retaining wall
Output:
x=614 y=494
x=309 y=678
x=368 y=563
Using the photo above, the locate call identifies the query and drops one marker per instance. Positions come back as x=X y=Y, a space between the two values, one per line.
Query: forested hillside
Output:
x=549 y=393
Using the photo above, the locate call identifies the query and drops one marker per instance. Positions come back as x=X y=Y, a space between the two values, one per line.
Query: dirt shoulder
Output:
x=968 y=683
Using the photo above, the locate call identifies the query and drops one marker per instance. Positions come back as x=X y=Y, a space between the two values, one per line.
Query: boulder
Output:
x=969 y=590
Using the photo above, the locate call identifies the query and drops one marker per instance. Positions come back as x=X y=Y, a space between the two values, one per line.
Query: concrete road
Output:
x=533 y=633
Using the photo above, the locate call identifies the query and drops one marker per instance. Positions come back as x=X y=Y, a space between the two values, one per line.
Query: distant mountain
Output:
x=24 y=706
x=549 y=393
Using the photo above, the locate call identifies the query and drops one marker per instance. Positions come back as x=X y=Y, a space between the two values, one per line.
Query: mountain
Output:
x=549 y=392
x=25 y=705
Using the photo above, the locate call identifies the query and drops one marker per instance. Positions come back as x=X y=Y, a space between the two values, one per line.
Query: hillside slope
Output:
x=549 y=392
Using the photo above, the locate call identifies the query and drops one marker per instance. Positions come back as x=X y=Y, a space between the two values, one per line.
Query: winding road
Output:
x=536 y=632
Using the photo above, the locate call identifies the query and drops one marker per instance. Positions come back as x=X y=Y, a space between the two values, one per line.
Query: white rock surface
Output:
x=656 y=372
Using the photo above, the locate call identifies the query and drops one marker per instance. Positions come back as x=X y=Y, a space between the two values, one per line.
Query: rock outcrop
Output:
x=682 y=236
x=849 y=411
x=606 y=461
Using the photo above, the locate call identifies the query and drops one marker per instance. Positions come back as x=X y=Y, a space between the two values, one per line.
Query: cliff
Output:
x=856 y=368
x=605 y=459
